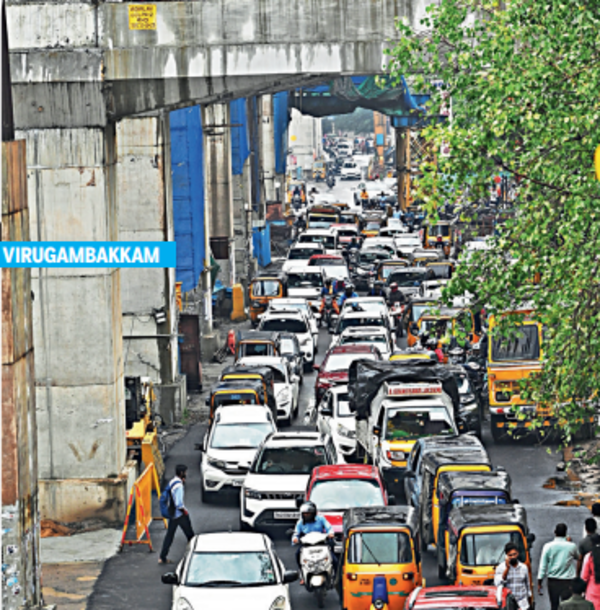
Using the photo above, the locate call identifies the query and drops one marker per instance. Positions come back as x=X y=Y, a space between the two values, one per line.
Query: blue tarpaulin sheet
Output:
x=281 y=118
x=240 y=148
x=261 y=243
x=187 y=168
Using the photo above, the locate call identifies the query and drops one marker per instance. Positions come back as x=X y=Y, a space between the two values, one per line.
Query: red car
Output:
x=335 y=489
x=446 y=598
x=334 y=368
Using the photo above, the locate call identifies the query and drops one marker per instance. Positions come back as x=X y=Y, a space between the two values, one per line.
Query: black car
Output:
x=289 y=348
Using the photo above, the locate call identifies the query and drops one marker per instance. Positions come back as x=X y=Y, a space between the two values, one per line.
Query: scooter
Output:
x=316 y=565
x=330 y=181
x=379 y=599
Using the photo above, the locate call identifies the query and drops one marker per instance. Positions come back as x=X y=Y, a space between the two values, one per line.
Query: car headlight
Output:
x=397 y=456
x=343 y=431
x=252 y=494
x=284 y=395
x=279 y=603
x=220 y=464
x=183 y=604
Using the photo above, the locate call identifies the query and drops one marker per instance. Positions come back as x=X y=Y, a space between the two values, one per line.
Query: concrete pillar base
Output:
x=172 y=400
x=211 y=342
x=73 y=500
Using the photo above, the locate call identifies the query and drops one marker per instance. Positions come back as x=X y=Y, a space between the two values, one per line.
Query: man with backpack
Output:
x=175 y=510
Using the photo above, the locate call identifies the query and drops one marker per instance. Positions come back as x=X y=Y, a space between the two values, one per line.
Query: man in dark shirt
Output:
x=586 y=544
x=576 y=601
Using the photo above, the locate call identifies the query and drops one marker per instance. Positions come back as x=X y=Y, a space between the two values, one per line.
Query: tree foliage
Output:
x=524 y=80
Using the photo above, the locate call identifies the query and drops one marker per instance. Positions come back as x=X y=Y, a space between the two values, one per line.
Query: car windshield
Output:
x=341 y=362
x=302 y=254
x=373 y=226
x=419 y=310
x=240 y=436
x=290 y=325
x=488 y=549
x=302 y=306
x=290 y=460
x=346 y=493
x=231 y=398
x=345 y=323
x=387 y=270
x=328 y=262
x=380 y=548
x=328 y=241
x=257 y=349
x=442 y=272
x=266 y=288
x=414 y=422
x=364 y=305
x=287 y=346
x=321 y=221
x=371 y=257
x=524 y=344
x=379 y=339
x=406 y=279
x=408 y=241
x=305 y=280
x=343 y=406
x=439 y=230
x=219 y=569
x=347 y=232
x=440 y=327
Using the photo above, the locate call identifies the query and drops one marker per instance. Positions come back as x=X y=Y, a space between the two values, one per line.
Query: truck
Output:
x=397 y=404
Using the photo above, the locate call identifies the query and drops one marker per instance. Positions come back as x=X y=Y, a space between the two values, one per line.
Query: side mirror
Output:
x=316 y=367
x=530 y=539
x=299 y=502
x=198 y=447
x=170 y=578
x=515 y=501
x=207 y=401
x=205 y=442
x=290 y=576
x=391 y=500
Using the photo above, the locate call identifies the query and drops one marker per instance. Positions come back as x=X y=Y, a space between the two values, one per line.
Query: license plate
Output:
x=286 y=514
x=338 y=548
x=237 y=483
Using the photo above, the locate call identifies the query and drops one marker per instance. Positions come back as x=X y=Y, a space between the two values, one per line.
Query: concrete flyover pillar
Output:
x=267 y=151
x=77 y=328
x=145 y=213
x=20 y=513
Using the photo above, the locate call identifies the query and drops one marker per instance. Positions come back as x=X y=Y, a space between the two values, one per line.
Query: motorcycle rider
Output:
x=395 y=295
x=348 y=294
x=364 y=196
x=310 y=522
x=329 y=289
x=377 y=290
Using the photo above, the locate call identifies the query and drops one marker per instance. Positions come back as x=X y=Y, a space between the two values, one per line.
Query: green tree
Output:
x=523 y=77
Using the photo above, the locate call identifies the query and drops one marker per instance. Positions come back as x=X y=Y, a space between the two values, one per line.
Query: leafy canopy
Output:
x=524 y=80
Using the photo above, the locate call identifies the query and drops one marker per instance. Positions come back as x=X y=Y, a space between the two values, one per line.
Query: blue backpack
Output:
x=167 y=503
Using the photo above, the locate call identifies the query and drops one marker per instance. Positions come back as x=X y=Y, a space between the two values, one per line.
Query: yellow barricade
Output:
x=142 y=490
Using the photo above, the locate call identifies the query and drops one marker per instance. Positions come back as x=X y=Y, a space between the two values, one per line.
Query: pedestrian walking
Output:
x=181 y=517
x=558 y=565
x=586 y=544
x=595 y=517
x=577 y=601
x=514 y=575
x=591 y=573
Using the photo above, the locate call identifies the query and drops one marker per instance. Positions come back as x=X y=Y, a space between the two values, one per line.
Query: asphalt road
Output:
x=131 y=580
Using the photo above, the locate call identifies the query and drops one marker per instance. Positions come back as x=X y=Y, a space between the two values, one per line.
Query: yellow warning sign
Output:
x=142 y=16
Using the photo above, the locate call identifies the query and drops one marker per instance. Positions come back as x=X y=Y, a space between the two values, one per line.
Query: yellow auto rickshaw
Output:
x=448 y=323
x=439 y=235
x=263 y=374
x=413 y=357
x=242 y=392
x=379 y=541
x=319 y=170
x=263 y=289
x=256 y=343
x=443 y=270
x=476 y=537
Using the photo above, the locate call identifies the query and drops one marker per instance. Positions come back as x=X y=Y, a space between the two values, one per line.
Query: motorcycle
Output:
x=330 y=181
x=296 y=202
x=379 y=599
x=316 y=565
x=328 y=311
x=397 y=312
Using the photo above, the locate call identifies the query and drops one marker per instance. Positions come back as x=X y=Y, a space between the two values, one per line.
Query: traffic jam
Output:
x=385 y=464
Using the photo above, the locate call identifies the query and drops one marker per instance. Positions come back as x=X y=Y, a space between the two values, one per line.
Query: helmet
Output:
x=308 y=511
x=349 y=289
x=393 y=286
x=327 y=281
x=378 y=284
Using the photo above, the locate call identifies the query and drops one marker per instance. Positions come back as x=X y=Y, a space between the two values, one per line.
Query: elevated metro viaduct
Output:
x=91 y=97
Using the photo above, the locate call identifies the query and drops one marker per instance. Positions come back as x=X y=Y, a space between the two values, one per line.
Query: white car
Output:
x=326 y=237
x=354 y=319
x=292 y=321
x=299 y=254
x=229 y=570
x=375 y=305
x=350 y=171
x=432 y=289
x=407 y=244
x=335 y=419
x=386 y=243
x=334 y=268
x=296 y=303
x=230 y=446
x=305 y=282
x=279 y=475
x=378 y=336
x=286 y=385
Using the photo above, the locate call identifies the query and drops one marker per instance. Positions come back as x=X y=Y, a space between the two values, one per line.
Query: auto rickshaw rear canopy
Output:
x=257 y=336
x=462 y=517
x=381 y=516
x=471 y=456
x=451 y=482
